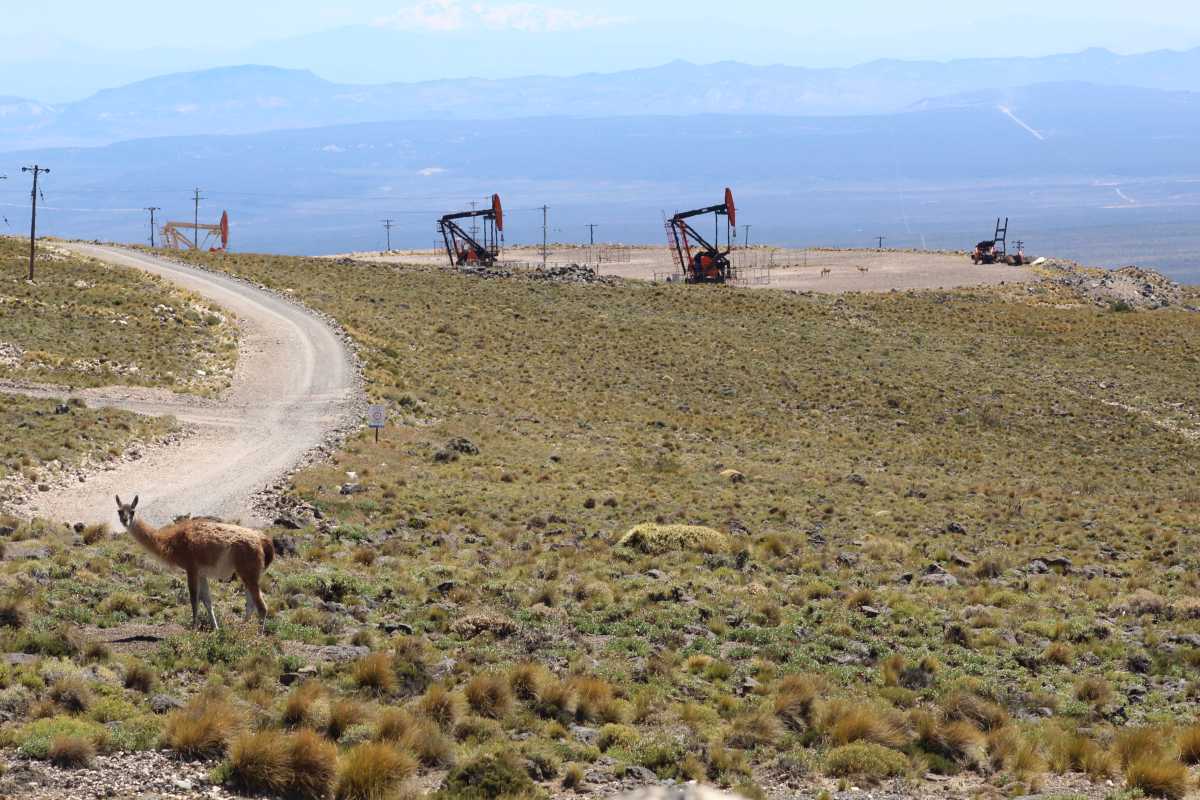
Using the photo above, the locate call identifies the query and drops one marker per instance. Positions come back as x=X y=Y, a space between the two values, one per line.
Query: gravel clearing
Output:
x=296 y=390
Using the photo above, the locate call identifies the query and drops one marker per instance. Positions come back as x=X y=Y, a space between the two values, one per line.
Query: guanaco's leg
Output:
x=249 y=602
x=206 y=597
x=253 y=593
x=193 y=582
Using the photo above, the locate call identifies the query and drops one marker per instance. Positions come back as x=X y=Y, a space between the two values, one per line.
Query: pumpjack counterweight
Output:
x=700 y=260
x=465 y=250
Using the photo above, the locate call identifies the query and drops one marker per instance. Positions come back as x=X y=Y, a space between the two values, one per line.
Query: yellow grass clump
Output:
x=654 y=539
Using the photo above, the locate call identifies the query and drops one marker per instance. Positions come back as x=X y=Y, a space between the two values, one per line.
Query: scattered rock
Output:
x=584 y=734
x=471 y=626
x=856 y=479
x=1138 y=663
x=162 y=703
x=956 y=527
x=351 y=489
x=285 y=546
x=944 y=579
x=462 y=446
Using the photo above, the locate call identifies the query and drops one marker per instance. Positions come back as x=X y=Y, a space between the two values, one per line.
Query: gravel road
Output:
x=294 y=384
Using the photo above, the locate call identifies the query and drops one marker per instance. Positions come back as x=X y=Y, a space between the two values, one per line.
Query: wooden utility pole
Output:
x=152 y=210
x=196 y=220
x=881 y=239
x=746 y=238
x=387 y=224
x=545 y=233
x=592 y=234
x=36 y=169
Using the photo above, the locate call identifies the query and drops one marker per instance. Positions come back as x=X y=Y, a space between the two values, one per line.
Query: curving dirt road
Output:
x=294 y=383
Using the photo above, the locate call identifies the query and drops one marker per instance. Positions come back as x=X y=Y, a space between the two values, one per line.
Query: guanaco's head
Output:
x=126 y=512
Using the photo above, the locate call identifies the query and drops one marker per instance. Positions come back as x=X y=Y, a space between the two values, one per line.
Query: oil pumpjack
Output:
x=464 y=249
x=703 y=261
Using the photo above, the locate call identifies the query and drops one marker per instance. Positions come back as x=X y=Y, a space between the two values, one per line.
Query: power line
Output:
x=387 y=224
x=36 y=170
x=152 y=210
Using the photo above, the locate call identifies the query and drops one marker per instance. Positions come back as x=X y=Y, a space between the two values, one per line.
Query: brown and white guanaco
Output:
x=205 y=548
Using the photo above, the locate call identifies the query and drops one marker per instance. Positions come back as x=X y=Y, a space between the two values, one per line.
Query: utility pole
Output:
x=592 y=234
x=746 y=238
x=545 y=233
x=881 y=239
x=387 y=224
x=152 y=210
x=36 y=170
x=196 y=220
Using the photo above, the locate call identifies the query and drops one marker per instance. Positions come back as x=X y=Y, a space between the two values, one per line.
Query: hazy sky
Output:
x=822 y=34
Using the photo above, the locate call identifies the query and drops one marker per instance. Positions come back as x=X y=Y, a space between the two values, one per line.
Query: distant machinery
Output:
x=474 y=249
x=216 y=237
x=995 y=250
x=700 y=260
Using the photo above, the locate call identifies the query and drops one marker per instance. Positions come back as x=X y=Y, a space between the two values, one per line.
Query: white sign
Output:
x=377 y=417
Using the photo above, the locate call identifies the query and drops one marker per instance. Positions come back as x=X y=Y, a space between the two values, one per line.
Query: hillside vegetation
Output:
x=618 y=533
x=84 y=323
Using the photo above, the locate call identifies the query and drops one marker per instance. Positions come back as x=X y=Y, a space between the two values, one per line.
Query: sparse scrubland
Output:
x=84 y=323
x=618 y=534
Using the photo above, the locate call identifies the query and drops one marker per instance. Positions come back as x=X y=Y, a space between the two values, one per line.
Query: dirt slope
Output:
x=294 y=384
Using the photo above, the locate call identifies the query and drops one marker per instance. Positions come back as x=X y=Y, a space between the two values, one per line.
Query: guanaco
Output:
x=826 y=271
x=204 y=548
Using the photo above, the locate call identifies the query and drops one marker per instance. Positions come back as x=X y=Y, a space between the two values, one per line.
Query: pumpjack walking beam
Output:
x=462 y=248
x=703 y=261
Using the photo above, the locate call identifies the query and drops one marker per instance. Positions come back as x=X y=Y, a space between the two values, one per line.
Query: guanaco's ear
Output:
x=133 y=505
x=118 y=500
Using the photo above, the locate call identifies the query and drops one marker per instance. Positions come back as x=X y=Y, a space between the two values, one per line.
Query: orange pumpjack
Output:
x=700 y=260
x=463 y=249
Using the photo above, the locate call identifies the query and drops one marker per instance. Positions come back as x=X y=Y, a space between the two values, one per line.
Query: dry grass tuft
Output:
x=526 y=680
x=72 y=693
x=202 y=728
x=795 y=700
x=392 y=725
x=1158 y=776
x=260 y=762
x=846 y=723
x=755 y=730
x=489 y=695
x=139 y=677
x=343 y=715
x=375 y=674
x=313 y=761
x=372 y=771
x=298 y=709
x=441 y=706
x=1188 y=741
x=557 y=700
x=71 y=752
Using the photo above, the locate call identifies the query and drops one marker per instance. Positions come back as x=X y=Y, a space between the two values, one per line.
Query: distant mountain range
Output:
x=248 y=99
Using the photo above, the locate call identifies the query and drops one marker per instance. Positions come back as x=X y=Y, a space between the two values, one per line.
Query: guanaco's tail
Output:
x=268 y=552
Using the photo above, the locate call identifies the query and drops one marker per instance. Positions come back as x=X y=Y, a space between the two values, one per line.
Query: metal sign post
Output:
x=377 y=419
